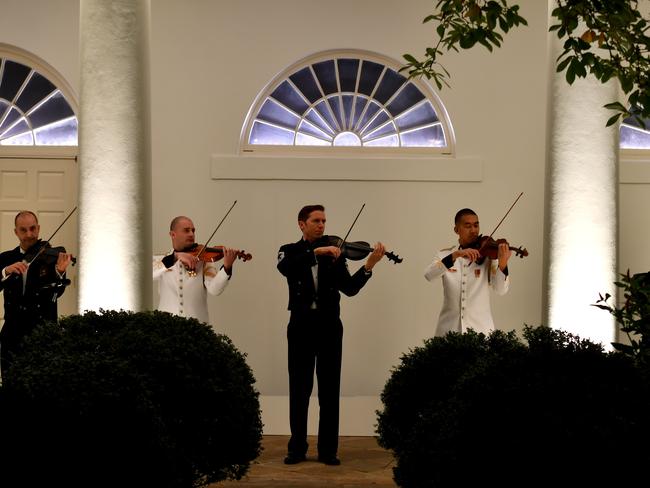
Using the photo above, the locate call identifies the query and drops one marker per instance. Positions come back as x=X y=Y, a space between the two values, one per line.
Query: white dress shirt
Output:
x=466 y=292
x=186 y=295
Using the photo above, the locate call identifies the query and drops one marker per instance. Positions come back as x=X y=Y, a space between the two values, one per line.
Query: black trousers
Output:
x=315 y=341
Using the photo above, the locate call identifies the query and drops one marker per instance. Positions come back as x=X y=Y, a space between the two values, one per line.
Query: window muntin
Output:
x=33 y=111
x=346 y=101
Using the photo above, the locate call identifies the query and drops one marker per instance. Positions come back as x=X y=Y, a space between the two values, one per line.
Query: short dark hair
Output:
x=176 y=220
x=22 y=213
x=461 y=213
x=306 y=211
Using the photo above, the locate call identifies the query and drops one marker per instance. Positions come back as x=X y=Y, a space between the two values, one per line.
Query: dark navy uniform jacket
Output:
x=295 y=262
x=37 y=303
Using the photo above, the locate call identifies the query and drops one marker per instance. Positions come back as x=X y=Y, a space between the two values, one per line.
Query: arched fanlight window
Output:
x=347 y=99
x=634 y=136
x=33 y=111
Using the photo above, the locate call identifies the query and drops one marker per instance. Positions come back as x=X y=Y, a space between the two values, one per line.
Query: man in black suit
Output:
x=31 y=286
x=316 y=273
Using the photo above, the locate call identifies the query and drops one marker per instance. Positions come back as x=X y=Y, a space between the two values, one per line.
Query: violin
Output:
x=213 y=253
x=489 y=247
x=41 y=256
x=358 y=250
x=46 y=253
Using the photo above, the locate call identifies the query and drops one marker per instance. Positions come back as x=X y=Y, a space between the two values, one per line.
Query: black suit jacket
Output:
x=38 y=302
x=295 y=262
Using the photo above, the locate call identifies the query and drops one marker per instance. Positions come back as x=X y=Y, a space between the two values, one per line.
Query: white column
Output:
x=115 y=161
x=581 y=204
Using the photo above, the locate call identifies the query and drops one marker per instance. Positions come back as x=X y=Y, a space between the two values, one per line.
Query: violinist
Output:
x=467 y=277
x=32 y=283
x=184 y=278
x=316 y=273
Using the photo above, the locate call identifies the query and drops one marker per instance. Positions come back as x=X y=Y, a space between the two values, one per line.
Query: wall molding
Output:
x=345 y=169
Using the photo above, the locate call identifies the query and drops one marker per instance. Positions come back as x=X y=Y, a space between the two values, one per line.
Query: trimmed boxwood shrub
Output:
x=127 y=399
x=476 y=410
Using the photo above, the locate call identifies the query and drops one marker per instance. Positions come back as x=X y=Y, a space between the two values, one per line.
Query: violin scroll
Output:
x=522 y=253
x=393 y=257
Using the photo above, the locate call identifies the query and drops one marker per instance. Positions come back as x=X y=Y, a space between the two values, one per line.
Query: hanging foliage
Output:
x=603 y=38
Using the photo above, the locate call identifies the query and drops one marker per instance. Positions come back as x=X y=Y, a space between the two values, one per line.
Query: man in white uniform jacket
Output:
x=467 y=277
x=184 y=281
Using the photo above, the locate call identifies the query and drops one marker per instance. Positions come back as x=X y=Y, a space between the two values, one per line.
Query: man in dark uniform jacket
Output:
x=30 y=290
x=316 y=273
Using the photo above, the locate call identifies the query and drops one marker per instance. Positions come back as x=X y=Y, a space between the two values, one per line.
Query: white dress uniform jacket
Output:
x=186 y=295
x=466 y=292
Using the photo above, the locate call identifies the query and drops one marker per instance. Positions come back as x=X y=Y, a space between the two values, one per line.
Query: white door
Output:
x=46 y=185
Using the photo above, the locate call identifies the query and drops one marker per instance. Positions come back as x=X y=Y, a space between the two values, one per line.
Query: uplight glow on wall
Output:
x=115 y=169
x=582 y=205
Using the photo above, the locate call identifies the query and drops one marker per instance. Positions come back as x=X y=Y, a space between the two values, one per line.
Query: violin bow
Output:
x=215 y=230
x=52 y=236
x=350 y=229
x=504 y=217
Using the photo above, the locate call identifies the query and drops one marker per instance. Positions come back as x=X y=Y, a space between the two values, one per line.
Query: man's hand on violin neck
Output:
x=504 y=255
x=229 y=257
x=62 y=262
x=333 y=251
x=18 y=268
x=188 y=260
x=467 y=253
x=375 y=256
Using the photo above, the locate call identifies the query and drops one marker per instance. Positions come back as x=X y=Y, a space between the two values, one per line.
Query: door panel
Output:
x=47 y=187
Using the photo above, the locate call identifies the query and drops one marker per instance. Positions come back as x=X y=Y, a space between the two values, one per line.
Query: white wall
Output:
x=209 y=61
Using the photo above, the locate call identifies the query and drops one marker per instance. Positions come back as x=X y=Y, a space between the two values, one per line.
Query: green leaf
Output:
x=615 y=106
x=410 y=58
x=582 y=45
x=606 y=75
x=467 y=42
x=612 y=120
x=563 y=64
x=570 y=74
x=491 y=20
x=486 y=44
x=626 y=84
x=503 y=24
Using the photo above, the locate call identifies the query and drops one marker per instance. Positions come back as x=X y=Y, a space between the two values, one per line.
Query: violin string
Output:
x=215 y=230
x=350 y=229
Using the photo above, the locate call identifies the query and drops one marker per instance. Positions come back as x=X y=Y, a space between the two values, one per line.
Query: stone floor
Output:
x=363 y=464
